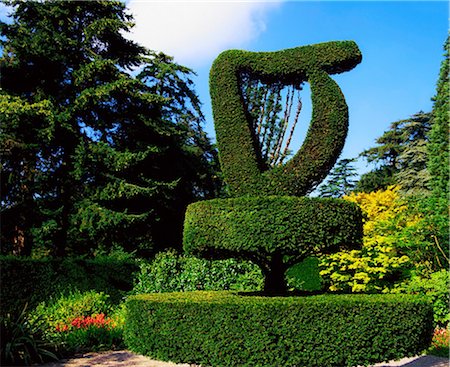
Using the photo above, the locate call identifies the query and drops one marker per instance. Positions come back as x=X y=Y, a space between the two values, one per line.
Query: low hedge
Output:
x=232 y=329
x=294 y=226
x=30 y=281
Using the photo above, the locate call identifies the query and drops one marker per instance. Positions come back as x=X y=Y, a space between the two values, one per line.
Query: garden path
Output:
x=125 y=358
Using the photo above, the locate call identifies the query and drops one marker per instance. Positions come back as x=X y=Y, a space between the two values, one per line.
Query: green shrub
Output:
x=436 y=287
x=20 y=343
x=275 y=232
x=304 y=276
x=30 y=281
x=169 y=272
x=239 y=154
x=92 y=339
x=231 y=329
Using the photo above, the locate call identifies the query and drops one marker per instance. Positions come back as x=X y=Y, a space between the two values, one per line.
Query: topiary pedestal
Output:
x=274 y=232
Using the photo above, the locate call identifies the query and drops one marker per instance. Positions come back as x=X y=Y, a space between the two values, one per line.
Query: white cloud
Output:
x=194 y=32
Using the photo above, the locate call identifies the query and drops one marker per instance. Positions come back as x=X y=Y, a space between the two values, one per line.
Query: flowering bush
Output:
x=80 y=321
x=440 y=343
x=93 y=332
x=84 y=322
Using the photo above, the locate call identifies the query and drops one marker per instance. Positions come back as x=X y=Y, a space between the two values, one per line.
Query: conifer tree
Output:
x=400 y=156
x=340 y=181
x=438 y=148
x=89 y=147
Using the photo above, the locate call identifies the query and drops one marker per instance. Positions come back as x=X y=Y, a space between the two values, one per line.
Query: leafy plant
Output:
x=49 y=315
x=237 y=329
x=380 y=265
x=169 y=272
x=20 y=343
x=95 y=332
x=440 y=343
x=436 y=288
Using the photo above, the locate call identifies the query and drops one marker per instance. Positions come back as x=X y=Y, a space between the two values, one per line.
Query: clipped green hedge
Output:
x=259 y=227
x=227 y=329
x=239 y=157
x=31 y=281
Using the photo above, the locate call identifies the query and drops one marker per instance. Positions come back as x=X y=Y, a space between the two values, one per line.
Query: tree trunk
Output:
x=275 y=281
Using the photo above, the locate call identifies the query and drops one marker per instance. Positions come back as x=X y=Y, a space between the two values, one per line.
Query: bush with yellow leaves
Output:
x=380 y=265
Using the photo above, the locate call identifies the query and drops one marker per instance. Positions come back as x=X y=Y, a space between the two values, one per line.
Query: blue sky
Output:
x=401 y=43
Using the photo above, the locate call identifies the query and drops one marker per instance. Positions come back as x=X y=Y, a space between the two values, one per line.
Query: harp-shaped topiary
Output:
x=267 y=220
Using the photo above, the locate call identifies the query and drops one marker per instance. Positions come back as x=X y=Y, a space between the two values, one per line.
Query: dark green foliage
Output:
x=169 y=272
x=273 y=232
x=266 y=226
x=400 y=156
x=304 y=276
x=438 y=149
x=340 y=181
x=378 y=179
x=91 y=153
x=226 y=329
x=426 y=242
x=240 y=156
x=20 y=343
x=33 y=281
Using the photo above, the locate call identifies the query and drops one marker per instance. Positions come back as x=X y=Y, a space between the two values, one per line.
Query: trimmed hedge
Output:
x=228 y=329
x=239 y=157
x=26 y=280
x=259 y=227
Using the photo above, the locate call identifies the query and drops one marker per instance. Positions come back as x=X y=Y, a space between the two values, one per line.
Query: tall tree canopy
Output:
x=91 y=152
x=438 y=148
x=400 y=157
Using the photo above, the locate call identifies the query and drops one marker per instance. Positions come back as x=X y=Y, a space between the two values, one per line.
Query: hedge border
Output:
x=31 y=281
x=227 y=329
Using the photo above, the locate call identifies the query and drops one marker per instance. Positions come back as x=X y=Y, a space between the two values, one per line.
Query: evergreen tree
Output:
x=94 y=157
x=438 y=148
x=340 y=181
x=413 y=176
x=400 y=156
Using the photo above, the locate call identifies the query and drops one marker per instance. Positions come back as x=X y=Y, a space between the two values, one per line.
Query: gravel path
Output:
x=125 y=358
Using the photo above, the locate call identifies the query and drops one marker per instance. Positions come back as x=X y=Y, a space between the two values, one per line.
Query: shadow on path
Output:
x=125 y=358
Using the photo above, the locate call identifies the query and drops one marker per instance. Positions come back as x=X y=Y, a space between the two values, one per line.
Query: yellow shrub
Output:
x=379 y=263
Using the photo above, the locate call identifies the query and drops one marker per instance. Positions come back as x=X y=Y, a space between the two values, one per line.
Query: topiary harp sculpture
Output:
x=268 y=220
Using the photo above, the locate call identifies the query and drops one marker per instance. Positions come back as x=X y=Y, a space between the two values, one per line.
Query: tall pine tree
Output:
x=89 y=147
x=400 y=156
x=340 y=181
x=438 y=148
